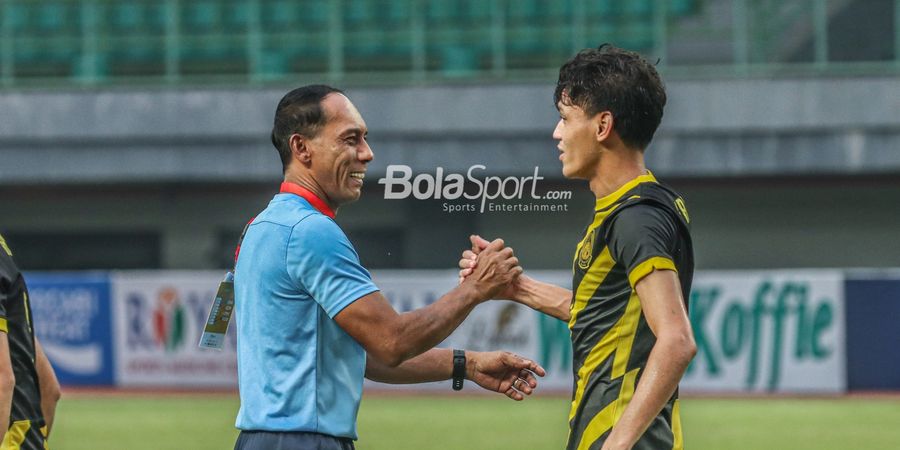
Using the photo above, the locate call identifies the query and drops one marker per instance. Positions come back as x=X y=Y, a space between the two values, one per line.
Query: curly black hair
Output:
x=622 y=82
x=299 y=112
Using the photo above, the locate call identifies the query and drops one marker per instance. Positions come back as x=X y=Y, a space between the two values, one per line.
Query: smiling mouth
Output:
x=358 y=176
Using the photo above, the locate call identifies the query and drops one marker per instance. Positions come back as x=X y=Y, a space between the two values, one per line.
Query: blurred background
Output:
x=134 y=146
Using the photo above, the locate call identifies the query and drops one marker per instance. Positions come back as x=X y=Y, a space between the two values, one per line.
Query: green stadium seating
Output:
x=129 y=37
x=16 y=17
x=236 y=16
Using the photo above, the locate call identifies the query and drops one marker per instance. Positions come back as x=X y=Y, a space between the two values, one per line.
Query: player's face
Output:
x=578 y=147
x=340 y=151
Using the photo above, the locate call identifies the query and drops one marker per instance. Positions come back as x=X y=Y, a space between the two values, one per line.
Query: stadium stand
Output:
x=101 y=40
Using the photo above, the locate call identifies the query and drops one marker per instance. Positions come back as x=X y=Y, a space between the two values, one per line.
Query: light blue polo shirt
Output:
x=297 y=369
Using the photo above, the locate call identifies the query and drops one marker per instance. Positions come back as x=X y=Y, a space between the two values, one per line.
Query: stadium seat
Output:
x=236 y=18
x=199 y=16
x=603 y=10
x=682 y=8
x=126 y=16
x=357 y=13
x=394 y=14
x=50 y=17
x=18 y=17
x=638 y=9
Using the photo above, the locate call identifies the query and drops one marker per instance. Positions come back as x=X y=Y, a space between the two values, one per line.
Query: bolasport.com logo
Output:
x=473 y=192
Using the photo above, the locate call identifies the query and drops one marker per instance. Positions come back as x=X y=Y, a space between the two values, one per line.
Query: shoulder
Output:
x=639 y=214
x=316 y=226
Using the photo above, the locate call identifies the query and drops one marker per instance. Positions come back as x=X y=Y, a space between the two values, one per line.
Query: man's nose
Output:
x=557 y=134
x=366 y=154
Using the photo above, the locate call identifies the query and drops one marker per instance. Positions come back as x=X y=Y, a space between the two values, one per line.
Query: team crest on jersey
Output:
x=587 y=250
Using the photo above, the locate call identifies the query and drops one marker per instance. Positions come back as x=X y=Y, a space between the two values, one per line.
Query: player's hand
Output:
x=497 y=268
x=503 y=372
x=469 y=262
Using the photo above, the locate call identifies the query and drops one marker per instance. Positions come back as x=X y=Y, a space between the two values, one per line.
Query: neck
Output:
x=617 y=167
x=309 y=182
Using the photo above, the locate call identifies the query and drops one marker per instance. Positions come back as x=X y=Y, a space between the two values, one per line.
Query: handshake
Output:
x=492 y=269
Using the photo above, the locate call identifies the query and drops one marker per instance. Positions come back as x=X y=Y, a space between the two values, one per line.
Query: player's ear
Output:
x=300 y=148
x=603 y=123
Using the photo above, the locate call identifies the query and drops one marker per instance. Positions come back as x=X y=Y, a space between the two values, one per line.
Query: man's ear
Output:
x=604 y=122
x=300 y=148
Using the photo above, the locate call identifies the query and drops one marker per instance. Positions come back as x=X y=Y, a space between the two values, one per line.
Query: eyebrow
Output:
x=354 y=130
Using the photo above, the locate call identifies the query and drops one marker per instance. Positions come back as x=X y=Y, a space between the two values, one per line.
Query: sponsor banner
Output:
x=158 y=319
x=768 y=331
x=493 y=325
x=72 y=322
x=756 y=331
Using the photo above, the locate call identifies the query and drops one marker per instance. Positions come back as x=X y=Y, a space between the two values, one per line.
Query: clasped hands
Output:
x=494 y=270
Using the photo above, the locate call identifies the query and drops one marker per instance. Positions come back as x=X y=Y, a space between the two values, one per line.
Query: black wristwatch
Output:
x=459 y=369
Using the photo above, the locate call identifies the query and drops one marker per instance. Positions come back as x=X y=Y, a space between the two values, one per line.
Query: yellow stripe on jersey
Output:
x=4 y=246
x=590 y=282
x=4 y=327
x=27 y=308
x=627 y=330
x=621 y=334
x=645 y=268
x=611 y=198
x=608 y=416
x=676 y=426
x=15 y=436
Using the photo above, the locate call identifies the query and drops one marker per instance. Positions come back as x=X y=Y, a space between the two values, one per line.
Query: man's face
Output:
x=578 y=146
x=339 y=152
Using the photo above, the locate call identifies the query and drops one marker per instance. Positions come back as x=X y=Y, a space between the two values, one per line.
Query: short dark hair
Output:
x=619 y=81
x=299 y=111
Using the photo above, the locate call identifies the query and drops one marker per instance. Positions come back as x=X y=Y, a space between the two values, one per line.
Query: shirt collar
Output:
x=611 y=198
x=313 y=199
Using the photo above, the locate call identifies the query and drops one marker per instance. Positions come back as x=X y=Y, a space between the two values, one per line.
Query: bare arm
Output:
x=547 y=298
x=663 y=307
x=7 y=385
x=49 y=385
x=393 y=338
x=496 y=371
x=543 y=297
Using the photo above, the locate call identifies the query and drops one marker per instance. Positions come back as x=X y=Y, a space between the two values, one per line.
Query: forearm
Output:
x=434 y=365
x=7 y=386
x=49 y=386
x=547 y=298
x=420 y=330
x=665 y=366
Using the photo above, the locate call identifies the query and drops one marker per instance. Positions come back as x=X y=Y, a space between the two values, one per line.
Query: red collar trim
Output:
x=313 y=199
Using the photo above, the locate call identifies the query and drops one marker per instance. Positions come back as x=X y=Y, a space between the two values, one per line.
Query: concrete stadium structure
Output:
x=786 y=172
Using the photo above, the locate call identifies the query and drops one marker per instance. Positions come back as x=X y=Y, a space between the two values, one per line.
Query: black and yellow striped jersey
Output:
x=642 y=227
x=26 y=420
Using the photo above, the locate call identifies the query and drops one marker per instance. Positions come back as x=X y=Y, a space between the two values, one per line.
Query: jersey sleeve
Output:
x=321 y=260
x=642 y=238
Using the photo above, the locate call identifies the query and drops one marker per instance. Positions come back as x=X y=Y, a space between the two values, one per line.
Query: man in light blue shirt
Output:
x=311 y=323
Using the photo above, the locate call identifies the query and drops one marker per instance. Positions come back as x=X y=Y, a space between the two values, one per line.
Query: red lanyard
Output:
x=313 y=199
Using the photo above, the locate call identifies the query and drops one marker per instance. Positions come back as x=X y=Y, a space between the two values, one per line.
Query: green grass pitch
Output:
x=446 y=422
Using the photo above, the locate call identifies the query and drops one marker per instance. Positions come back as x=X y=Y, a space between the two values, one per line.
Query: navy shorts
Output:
x=290 y=440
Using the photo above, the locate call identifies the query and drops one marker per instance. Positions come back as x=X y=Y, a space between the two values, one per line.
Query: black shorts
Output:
x=290 y=440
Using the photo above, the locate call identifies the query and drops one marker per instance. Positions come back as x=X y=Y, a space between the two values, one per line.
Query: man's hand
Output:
x=544 y=297
x=503 y=372
x=469 y=263
x=497 y=268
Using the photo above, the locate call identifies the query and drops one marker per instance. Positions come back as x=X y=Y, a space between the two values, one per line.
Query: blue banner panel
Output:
x=72 y=320
x=873 y=334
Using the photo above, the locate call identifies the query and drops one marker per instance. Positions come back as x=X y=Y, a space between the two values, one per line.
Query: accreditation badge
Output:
x=219 y=315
